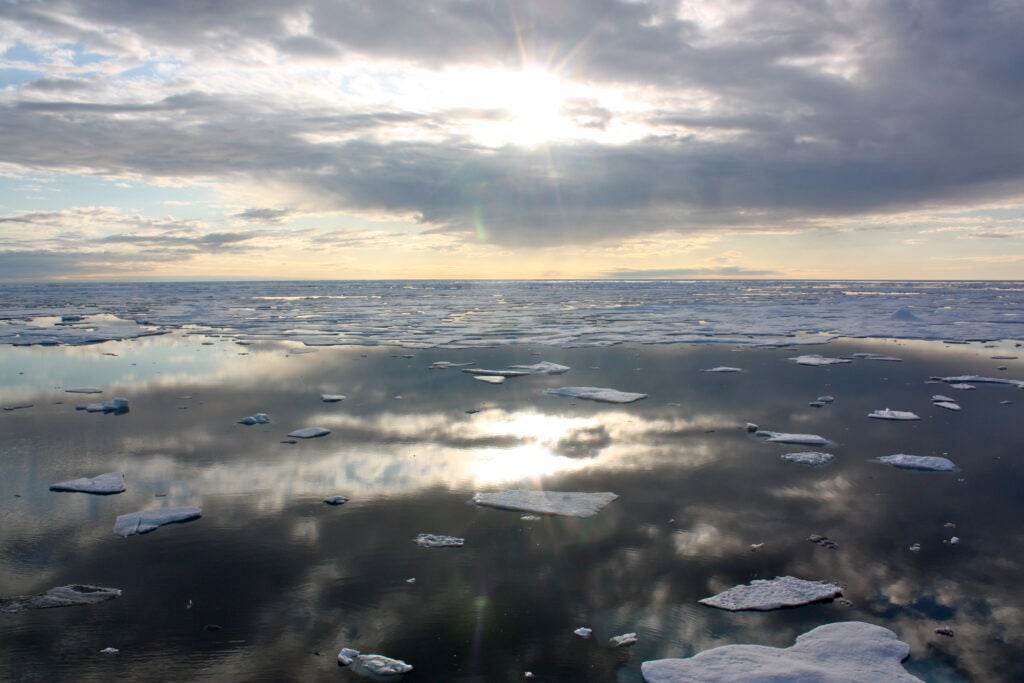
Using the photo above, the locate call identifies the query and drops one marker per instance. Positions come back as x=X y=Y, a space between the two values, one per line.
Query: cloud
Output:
x=671 y=273
x=264 y=215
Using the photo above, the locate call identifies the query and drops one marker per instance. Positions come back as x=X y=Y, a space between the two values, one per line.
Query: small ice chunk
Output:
x=109 y=651
x=886 y=414
x=144 y=521
x=876 y=356
x=817 y=404
x=799 y=439
x=566 y=503
x=584 y=632
x=332 y=398
x=939 y=398
x=257 y=419
x=827 y=399
x=722 y=368
x=596 y=394
x=915 y=548
x=443 y=364
x=954 y=540
x=439 y=541
x=496 y=373
x=309 y=432
x=347 y=655
x=114 y=405
x=336 y=500
x=948 y=405
x=931 y=463
x=754 y=547
x=84 y=390
x=809 y=458
x=962 y=386
x=750 y=427
x=834 y=653
x=814 y=359
x=622 y=640
x=62 y=596
x=782 y=591
x=528 y=674
x=981 y=379
x=376 y=665
x=490 y=379
x=543 y=368
x=411 y=579
x=101 y=484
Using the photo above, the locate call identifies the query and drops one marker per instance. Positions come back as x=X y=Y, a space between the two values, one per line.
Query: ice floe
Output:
x=257 y=419
x=61 y=596
x=768 y=594
x=931 y=463
x=109 y=651
x=490 y=379
x=723 y=368
x=948 y=405
x=543 y=368
x=332 y=398
x=114 y=405
x=144 y=521
x=834 y=653
x=939 y=398
x=439 y=541
x=309 y=432
x=963 y=386
x=496 y=373
x=584 y=632
x=980 y=379
x=797 y=439
x=376 y=665
x=444 y=364
x=84 y=390
x=886 y=414
x=809 y=458
x=815 y=359
x=102 y=484
x=596 y=394
x=565 y=503
x=876 y=356
x=623 y=639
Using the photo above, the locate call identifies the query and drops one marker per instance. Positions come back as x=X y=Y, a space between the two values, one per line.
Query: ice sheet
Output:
x=566 y=503
x=144 y=521
x=102 y=484
x=596 y=394
x=768 y=594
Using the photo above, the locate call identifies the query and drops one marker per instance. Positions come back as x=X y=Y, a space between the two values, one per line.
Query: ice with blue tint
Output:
x=465 y=314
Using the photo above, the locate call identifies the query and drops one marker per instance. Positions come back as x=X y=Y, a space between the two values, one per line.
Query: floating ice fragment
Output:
x=101 y=484
x=754 y=547
x=257 y=419
x=336 y=500
x=442 y=364
x=750 y=427
x=62 y=596
x=624 y=639
x=529 y=518
x=85 y=390
x=528 y=674
x=931 y=463
x=439 y=541
x=948 y=405
x=543 y=368
x=886 y=414
x=566 y=503
x=596 y=394
x=496 y=373
x=144 y=521
x=876 y=356
x=963 y=386
x=817 y=404
x=814 y=359
x=939 y=398
x=377 y=665
x=915 y=548
x=115 y=405
x=981 y=379
x=109 y=651
x=827 y=399
x=809 y=458
x=18 y=406
x=584 y=632
x=954 y=540
x=723 y=368
x=799 y=439
x=332 y=398
x=833 y=653
x=782 y=591
x=309 y=432
x=490 y=379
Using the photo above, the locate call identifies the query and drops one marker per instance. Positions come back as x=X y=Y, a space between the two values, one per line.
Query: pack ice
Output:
x=565 y=503
x=596 y=394
x=834 y=653
x=798 y=439
x=144 y=521
x=61 y=596
x=102 y=484
x=931 y=463
x=764 y=594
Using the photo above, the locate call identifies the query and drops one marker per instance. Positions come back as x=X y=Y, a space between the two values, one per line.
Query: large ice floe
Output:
x=797 y=439
x=596 y=394
x=566 y=503
x=309 y=432
x=768 y=594
x=815 y=359
x=809 y=458
x=101 y=484
x=930 y=463
x=439 y=541
x=144 y=521
x=374 y=665
x=834 y=653
x=887 y=414
x=61 y=596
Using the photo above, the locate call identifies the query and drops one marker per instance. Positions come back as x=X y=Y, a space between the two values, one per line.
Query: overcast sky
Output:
x=498 y=138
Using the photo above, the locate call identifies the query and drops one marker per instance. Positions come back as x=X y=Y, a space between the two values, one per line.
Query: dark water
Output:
x=290 y=580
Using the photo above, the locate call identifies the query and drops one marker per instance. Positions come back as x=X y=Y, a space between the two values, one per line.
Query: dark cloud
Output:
x=264 y=215
x=671 y=273
x=49 y=265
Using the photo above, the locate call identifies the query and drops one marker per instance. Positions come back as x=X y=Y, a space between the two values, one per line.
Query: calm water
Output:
x=290 y=580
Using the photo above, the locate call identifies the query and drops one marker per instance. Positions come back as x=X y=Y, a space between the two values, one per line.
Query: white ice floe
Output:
x=596 y=394
x=939 y=398
x=932 y=463
x=336 y=500
x=948 y=405
x=61 y=596
x=981 y=379
x=309 y=432
x=584 y=632
x=114 y=405
x=257 y=419
x=886 y=414
x=722 y=368
x=798 y=439
x=443 y=364
x=490 y=379
x=377 y=665
x=566 y=503
x=833 y=653
x=543 y=368
x=102 y=484
x=144 y=521
x=815 y=359
x=809 y=458
x=496 y=373
x=439 y=541
x=963 y=386
x=826 y=399
x=332 y=398
x=623 y=639
x=109 y=651
x=84 y=390
x=876 y=356
x=768 y=594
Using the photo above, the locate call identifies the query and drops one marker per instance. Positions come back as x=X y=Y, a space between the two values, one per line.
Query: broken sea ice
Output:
x=782 y=591
x=144 y=521
x=566 y=503
x=101 y=484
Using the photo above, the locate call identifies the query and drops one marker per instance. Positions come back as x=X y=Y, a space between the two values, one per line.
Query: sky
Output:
x=356 y=139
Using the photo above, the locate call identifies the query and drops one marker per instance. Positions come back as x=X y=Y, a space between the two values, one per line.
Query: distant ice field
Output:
x=473 y=314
